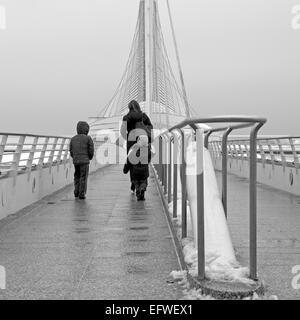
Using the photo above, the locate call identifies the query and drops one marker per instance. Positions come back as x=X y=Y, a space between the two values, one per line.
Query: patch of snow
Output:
x=217 y=267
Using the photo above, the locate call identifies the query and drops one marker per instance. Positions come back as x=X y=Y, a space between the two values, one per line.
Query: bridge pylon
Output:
x=148 y=77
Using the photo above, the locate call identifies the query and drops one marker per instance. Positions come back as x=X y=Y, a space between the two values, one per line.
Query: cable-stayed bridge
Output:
x=148 y=78
x=112 y=247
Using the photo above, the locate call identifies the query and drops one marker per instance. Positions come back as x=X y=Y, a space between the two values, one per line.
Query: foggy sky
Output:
x=61 y=60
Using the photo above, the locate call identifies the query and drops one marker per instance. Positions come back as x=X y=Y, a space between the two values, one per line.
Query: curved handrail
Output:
x=13 y=134
x=226 y=124
x=237 y=122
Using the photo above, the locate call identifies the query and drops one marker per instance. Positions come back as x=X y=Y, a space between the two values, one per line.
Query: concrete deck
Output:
x=107 y=247
x=278 y=234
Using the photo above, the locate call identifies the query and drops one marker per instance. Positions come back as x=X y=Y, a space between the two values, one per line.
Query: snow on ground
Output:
x=217 y=266
x=196 y=294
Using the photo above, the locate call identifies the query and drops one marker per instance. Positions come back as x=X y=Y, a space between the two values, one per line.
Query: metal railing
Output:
x=25 y=152
x=174 y=141
x=282 y=151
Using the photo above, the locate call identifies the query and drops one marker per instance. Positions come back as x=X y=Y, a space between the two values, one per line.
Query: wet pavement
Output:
x=278 y=234
x=107 y=247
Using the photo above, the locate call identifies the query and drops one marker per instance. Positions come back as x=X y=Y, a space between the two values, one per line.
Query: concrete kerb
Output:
x=217 y=289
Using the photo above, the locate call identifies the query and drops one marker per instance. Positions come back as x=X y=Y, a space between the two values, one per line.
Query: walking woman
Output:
x=131 y=121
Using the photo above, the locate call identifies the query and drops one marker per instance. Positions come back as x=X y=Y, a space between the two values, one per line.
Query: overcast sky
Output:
x=61 y=60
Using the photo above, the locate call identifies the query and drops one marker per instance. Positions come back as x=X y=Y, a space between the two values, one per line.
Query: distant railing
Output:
x=25 y=152
x=282 y=151
x=173 y=141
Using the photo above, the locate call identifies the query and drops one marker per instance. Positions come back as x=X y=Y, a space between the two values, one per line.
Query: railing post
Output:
x=248 y=151
x=59 y=156
x=160 y=155
x=206 y=139
x=200 y=204
x=17 y=158
x=52 y=153
x=262 y=154
x=271 y=153
x=253 y=201
x=163 y=178
x=66 y=152
x=235 y=153
x=183 y=188
x=43 y=153
x=169 y=168
x=163 y=162
x=282 y=155
x=2 y=146
x=165 y=159
x=31 y=156
x=224 y=168
x=175 y=173
x=296 y=157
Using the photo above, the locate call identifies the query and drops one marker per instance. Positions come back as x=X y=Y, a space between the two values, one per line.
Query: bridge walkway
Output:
x=107 y=247
x=278 y=233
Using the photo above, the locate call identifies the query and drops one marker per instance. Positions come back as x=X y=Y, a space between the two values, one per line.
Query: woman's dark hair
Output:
x=134 y=106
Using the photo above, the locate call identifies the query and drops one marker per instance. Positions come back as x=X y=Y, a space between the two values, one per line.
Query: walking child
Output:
x=82 y=152
x=139 y=157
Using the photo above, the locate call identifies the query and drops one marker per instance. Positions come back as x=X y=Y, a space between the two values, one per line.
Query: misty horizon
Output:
x=61 y=61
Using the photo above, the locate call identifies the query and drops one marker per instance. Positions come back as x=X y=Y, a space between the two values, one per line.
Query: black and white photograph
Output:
x=150 y=151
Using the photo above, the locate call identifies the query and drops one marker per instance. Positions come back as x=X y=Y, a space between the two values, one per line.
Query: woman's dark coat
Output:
x=131 y=119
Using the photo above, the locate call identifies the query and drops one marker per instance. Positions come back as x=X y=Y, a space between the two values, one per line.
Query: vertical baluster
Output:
x=272 y=157
x=170 y=168
x=200 y=204
x=262 y=152
x=17 y=157
x=253 y=201
x=160 y=171
x=242 y=151
x=206 y=139
x=183 y=187
x=236 y=150
x=43 y=153
x=175 y=173
x=247 y=146
x=2 y=147
x=224 y=169
x=52 y=153
x=66 y=154
x=282 y=155
x=31 y=156
x=165 y=153
x=60 y=152
x=295 y=155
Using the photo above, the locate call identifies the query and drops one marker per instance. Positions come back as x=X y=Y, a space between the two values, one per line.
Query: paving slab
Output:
x=107 y=247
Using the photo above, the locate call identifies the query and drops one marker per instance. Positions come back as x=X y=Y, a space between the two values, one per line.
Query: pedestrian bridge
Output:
x=112 y=247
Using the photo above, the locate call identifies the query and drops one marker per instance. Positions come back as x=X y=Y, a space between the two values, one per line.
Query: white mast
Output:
x=149 y=15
